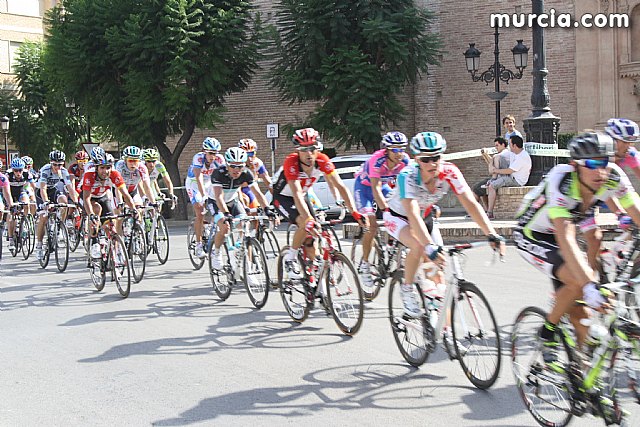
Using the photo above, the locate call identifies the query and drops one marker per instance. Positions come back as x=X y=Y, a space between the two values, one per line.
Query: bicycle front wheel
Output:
x=344 y=294
x=161 y=240
x=223 y=279
x=46 y=248
x=545 y=394
x=24 y=238
x=414 y=336
x=271 y=251
x=292 y=290
x=256 y=275
x=61 y=247
x=291 y=230
x=98 y=275
x=373 y=289
x=74 y=236
x=119 y=263
x=196 y=261
x=137 y=252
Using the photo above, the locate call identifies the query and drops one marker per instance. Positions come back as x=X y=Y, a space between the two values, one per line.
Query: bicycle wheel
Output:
x=414 y=336
x=373 y=289
x=476 y=337
x=119 y=263
x=197 y=262
x=292 y=291
x=46 y=247
x=137 y=252
x=1 y=238
x=24 y=238
x=345 y=299
x=97 y=272
x=222 y=280
x=61 y=247
x=291 y=230
x=271 y=251
x=256 y=274
x=74 y=237
x=335 y=239
x=631 y=360
x=545 y=394
x=161 y=240
x=32 y=233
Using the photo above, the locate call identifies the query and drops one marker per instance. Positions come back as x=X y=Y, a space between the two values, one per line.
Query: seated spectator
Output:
x=509 y=123
x=516 y=175
x=499 y=161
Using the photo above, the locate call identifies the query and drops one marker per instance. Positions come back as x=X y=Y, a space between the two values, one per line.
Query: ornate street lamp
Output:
x=4 y=123
x=497 y=72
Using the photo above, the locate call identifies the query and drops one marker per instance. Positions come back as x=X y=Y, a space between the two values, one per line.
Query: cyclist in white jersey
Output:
x=135 y=174
x=418 y=187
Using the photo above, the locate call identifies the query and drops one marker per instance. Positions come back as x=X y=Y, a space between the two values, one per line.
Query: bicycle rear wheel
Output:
x=161 y=240
x=271 y=251
x=46 y=248
x=196 y=261
x=61 y=247
x=476 y=337
x=222 y=280
x=137 y=252
x=119 y=262
x=23 y=237
x=291 y=230
x=293 y=292
x=256 y=275
x=414 y=336
x=545 y=394
x=344 y=294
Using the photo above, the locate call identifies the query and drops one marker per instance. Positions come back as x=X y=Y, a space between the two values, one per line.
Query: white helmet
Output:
x=235 y=155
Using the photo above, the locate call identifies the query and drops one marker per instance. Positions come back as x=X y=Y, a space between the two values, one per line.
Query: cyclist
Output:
x=226 y=181
x=19 y=181
x=77 y=169
x=625 y=133
x=156 y=168
x=97 y=184
x=546 y=232
x=418 y=187
x=6 y=194
x=300 y=170
x=257 y=168
x=54 y=185
x=371 y=188
x=135 y=174
x=31 y=189
x=198 y=184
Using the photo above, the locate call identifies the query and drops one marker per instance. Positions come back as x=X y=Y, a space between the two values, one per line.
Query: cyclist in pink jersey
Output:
x=624 y=132
x=371 y=188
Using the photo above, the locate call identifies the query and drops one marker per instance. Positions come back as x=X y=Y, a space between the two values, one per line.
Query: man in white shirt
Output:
x=516 y=175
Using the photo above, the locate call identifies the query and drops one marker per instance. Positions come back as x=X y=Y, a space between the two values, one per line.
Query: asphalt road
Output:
x=173 y=354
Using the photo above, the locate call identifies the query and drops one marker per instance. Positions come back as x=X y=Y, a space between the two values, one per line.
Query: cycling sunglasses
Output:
x=428 y=159
x=232 y=166
x=251 y=153
x=57 y=164
x=593 y=163
x=213 y=153
x=397 y=150
x=310 y=149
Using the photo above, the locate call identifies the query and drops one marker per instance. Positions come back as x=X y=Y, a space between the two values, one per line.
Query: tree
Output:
x=148 y=69
x=40 y=120
x=352 y=57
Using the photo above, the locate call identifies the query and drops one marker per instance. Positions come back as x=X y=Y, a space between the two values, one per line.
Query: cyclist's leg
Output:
x=61 y=197
x=223 y=226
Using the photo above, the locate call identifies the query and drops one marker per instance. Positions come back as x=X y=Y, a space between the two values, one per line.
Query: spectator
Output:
x=499 y=161
x=516 y=175
x=509 y=123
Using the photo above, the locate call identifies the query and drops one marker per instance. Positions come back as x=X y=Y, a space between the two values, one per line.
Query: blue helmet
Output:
x=211 y=144
x=235 y=155
x=18 y=163
x=624 y=129
x=430 y=143
x=394 y=139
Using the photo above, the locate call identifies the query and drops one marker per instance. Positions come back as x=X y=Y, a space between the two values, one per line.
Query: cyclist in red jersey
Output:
x=300 y=170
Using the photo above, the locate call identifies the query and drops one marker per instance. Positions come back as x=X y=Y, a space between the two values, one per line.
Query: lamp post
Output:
x=541 y=126
x=497 y=72
x=4 y=122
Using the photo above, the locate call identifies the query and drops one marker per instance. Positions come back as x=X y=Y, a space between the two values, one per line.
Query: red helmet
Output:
x=82 y=155
x=306 y=138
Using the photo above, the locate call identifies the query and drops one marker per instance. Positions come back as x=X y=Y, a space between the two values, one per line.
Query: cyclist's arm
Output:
x=266 y=178
x=71 y=188
x=416 y=224
x=88 y=205
x=476 y=212
x=197 y=172
x=334 y=180
x=218 y=195
x=571 y=254
x=145 y=184
x=633 y=210
x=258 y=193
x=376 y=187
x=124 y=194
x=593 y=237
x=636 y=171
x=7 y=196
x=167 y=181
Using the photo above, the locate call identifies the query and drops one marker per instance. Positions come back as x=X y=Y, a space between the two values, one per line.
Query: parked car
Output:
x=346 y=166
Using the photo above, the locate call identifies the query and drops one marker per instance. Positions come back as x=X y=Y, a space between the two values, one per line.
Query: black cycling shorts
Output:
x=287 y=207
x=541 y=251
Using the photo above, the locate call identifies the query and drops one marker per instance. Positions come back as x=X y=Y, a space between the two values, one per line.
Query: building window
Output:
x=635 y=34
x=24 y=7
x=13 y=55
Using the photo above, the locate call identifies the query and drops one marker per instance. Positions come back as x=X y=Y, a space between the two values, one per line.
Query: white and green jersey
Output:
x=158 y=169
x=558 y=196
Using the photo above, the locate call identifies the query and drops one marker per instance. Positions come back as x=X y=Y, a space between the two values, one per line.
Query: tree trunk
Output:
x=171 y=162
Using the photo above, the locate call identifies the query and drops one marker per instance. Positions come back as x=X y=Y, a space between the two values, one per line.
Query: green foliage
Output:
x=353 y=58
x=148 y=69
x=564 y=138
x=40 y=120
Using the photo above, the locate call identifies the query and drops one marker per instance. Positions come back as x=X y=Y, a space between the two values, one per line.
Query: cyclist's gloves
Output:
x=13 y=209
x=357 y=216
x=495 y=238
x=433 y=251
x=270 y=211
x=340 y=202
x=594 y=295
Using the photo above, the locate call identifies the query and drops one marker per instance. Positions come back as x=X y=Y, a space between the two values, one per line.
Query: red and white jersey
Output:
x=292 y=171
x=132 y=177
x=98 y=188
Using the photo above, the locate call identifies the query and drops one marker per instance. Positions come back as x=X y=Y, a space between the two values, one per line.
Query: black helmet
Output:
x=57 y=156
x=590 y=145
